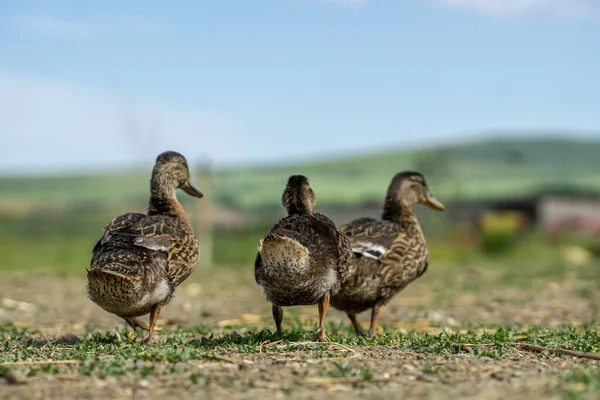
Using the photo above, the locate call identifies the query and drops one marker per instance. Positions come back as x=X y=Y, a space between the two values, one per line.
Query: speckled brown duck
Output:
x=304 y=258
x=141 y=259
x=389 y=253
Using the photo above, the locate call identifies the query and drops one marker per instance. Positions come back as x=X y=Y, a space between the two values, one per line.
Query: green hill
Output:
x=472 y=170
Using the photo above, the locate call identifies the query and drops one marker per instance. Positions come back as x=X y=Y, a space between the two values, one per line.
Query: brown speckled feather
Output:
x=389 y=253
x=141 y=259
x=131 y=240
x=344 y=248
x=122 y=272
x=304 y=258
x=111 y=254
x=328 y=249
x=386 y=259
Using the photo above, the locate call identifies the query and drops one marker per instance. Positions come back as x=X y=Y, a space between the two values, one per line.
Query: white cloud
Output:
x=100 y=24
x=52 y=124
x=523 y=8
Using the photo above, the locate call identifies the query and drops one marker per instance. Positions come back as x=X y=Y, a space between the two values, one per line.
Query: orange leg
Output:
x=135 y=323
x=154 y=313
x=277 y=316
x=359 y=330
x=320 y=333
x=374 y=316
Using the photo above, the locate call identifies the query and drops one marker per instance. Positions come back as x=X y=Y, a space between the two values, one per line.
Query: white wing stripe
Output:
x=369 y=249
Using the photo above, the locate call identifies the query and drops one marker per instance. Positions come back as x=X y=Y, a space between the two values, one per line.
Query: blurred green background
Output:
x=50 y=223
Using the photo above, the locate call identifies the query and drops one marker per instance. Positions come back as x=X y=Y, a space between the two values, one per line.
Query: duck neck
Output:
x=396 y=211
x=297 y=202
x=299 y=208
x=163 y=201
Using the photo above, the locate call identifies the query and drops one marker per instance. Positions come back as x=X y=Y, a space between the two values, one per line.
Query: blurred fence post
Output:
x=203 y=211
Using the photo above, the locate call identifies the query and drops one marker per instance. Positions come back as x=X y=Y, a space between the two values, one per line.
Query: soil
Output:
x=58 y=306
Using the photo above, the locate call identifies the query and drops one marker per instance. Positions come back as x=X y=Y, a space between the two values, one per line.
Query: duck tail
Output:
x=282 y=251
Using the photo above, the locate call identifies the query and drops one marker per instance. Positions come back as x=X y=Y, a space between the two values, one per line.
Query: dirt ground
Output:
x=58 y=306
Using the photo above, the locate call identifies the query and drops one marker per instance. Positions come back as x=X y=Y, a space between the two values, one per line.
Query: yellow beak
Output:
x=434 y=203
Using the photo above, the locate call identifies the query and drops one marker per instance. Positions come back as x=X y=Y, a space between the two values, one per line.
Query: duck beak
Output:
x=434 y=203
x=193 y=190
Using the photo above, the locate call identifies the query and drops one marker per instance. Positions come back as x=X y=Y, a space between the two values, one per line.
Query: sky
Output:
x=87 y=85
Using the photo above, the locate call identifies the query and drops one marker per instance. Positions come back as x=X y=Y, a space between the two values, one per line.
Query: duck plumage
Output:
x=304 y=258
x=388 y=253
x=141 y=259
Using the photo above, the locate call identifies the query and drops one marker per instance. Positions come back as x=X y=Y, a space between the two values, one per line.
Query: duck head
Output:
x=298 y=197
x=409 y=188
x=171 y=172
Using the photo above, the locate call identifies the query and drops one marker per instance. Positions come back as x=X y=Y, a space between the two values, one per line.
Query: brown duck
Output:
x=141 y=259
x=389 y=253
x=303 y=259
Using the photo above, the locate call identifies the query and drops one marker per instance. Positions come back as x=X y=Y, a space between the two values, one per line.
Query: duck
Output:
x=142 y=258
x=388 y=253
x=304 y=259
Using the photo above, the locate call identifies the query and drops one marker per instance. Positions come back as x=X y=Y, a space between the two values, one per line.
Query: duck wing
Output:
x=344 y=247
x=370 y=237
x=110 y=254
x=164 y=234
x=402 y=257
x=157 y=238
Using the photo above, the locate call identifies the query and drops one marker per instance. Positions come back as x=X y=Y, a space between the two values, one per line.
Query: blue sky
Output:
x=108 y=84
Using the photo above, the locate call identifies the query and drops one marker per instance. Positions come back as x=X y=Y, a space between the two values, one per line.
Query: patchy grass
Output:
x=245 y=361
x=119 y=353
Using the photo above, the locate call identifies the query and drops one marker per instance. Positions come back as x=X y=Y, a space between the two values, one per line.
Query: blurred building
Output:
x=552 y=211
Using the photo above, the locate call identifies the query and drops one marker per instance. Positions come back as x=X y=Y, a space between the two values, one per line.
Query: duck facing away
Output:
x=303 y=259
x=389 y=253
x=141 y=259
